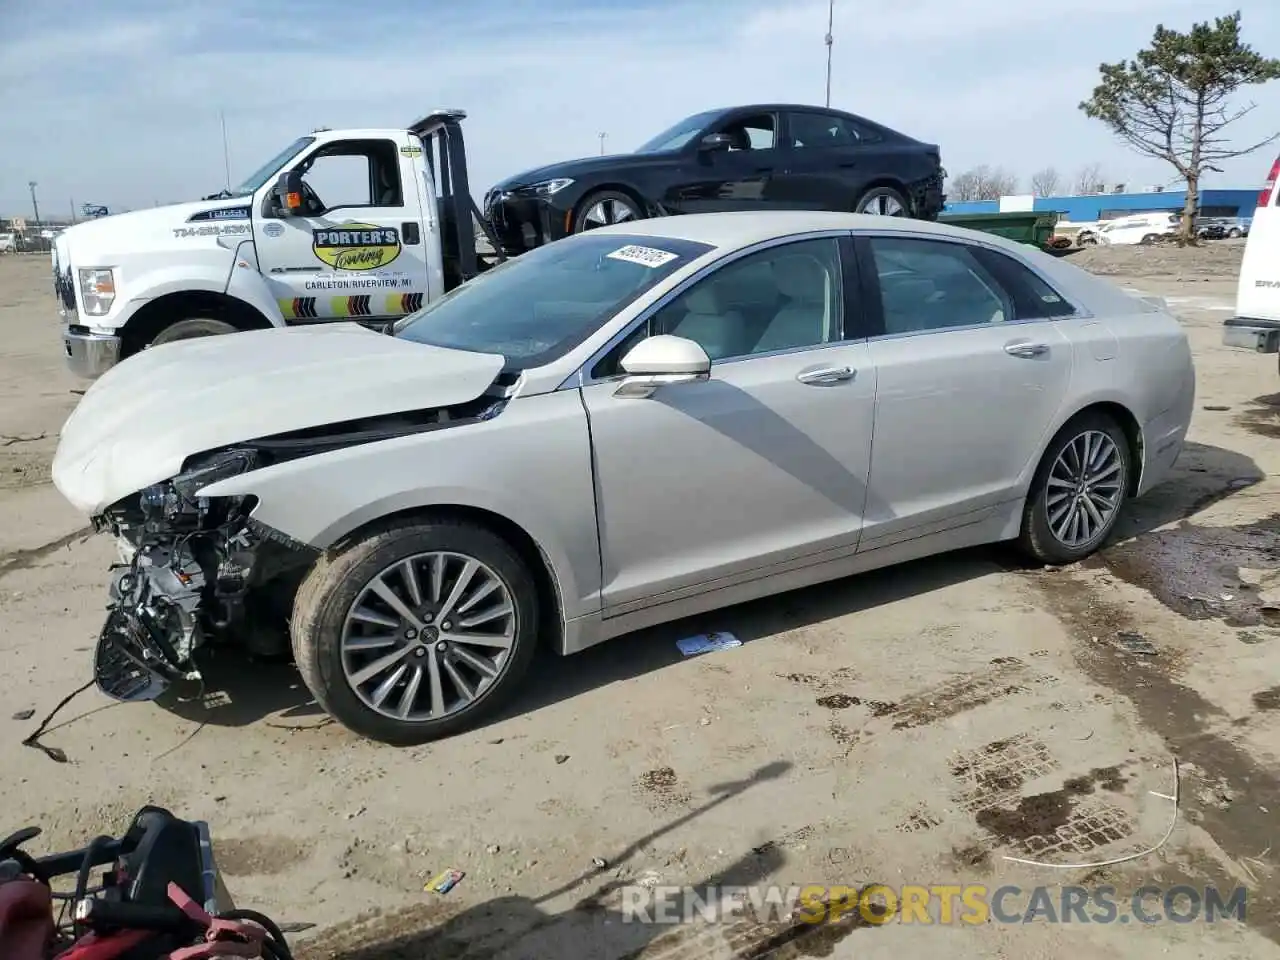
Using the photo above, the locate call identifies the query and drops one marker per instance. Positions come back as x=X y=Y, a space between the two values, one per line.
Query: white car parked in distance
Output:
x=1143 y=228
x=615 y=430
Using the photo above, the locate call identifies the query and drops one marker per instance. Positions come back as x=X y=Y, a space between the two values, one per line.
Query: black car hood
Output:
x=582 y=167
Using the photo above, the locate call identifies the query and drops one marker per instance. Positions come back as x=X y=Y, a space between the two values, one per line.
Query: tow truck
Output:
x=397 y=229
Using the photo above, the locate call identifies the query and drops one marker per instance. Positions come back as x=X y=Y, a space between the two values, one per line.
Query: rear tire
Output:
x=1078 y=492
x=1087 y=240
x=331 y=616
x=192 y=328
x=883 y=202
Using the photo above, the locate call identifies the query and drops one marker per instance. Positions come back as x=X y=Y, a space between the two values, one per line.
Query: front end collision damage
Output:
x=197 y=571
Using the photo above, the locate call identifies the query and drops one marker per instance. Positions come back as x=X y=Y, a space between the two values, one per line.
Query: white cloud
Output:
x=124 y=109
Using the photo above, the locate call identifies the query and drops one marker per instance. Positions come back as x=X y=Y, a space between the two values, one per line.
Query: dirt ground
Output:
x=915 y=726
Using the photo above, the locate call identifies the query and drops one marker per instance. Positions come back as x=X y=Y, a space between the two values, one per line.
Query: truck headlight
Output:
x=546 y=188
x=97 y=290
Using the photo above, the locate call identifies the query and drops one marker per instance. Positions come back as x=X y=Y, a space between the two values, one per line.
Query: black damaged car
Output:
x=761 y=157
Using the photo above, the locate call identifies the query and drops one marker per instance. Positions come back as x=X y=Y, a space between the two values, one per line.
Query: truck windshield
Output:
x=534 y=308
x=271 y=167
x=673 y=138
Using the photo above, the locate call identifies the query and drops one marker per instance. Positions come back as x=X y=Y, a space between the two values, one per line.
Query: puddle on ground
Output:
x=1194 y=569
x=1262 y=416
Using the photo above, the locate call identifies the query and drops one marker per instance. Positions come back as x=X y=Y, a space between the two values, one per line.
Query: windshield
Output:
x=269 y=169
x=534 y=308
x=673 y=138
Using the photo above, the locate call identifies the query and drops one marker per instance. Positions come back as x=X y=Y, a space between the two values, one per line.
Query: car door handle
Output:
x=764 y=169
x=826 y=375
x=1027 y=351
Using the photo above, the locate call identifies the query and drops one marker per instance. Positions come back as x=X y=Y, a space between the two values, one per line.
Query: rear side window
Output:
x=1033 y=298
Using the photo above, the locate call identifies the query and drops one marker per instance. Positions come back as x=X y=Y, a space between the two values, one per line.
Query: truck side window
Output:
x=356 y=173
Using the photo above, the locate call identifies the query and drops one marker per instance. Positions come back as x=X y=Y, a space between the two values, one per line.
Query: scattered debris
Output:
x=296 y=926
x=496 y=742
x=1215 y=408
x=444 y=882
x=704 y=722
x=24 y=714
x=352 y=814
x=562 y=758
x=6 y=441
x=651 y=878
x=837 y=701
x=599 y=862
x=707 y=643
x=493 y=848
x=1129 y=641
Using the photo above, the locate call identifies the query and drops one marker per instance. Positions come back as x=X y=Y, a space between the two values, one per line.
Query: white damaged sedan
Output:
x=621 y=428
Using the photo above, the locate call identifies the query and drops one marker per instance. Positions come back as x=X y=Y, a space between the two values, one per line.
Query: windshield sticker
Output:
x=273 y=229
x=356 y=246
x=645 y=256
x=221 y=213
x=410 y=151
x=211 y=230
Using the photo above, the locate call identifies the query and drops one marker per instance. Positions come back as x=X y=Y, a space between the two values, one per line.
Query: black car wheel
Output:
x=1233 y=233
x=605 y=207
x=883 y=202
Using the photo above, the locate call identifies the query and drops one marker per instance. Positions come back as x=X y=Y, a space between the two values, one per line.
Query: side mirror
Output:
x=715 y=141
x=660 y=361
x=289 y=193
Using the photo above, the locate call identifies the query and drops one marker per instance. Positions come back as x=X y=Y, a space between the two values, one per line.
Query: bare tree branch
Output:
x=1046 y=182
x=982 y=183
x=1089 y=180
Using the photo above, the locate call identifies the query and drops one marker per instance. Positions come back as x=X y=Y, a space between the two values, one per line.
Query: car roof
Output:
x=736 y=229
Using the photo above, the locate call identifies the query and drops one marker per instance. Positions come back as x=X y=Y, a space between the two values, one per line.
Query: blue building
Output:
x=1108 y=206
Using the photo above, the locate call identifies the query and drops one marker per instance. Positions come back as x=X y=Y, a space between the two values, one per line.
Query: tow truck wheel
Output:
x=417 y=630
x=195 y=327
x=604 y=207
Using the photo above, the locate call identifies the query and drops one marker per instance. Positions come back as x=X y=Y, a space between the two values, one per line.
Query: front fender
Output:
x=247 y=284
x=531 y=464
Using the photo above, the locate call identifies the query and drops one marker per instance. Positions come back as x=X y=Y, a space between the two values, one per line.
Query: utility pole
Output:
x=35 y=204
x=226 y=155
x=831 y=20
x=602 y=135
x=73 y=209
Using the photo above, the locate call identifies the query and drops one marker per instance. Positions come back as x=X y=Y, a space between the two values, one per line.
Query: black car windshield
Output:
x=534 y=308
x=269 y=169
x=673 y=138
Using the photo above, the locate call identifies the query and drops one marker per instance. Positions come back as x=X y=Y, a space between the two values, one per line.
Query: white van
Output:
x=1138 y=228
x=1256 y=325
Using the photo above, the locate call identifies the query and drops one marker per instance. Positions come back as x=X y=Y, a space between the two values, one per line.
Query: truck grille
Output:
x=64 y=289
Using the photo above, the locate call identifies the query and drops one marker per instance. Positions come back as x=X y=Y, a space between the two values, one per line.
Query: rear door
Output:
x=1258 y=293
x=828 y=157
x=971 y=371
x=358 y=252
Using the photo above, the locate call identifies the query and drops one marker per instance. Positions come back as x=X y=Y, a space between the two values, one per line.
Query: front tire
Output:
x=1078 y=491
x=192 y=328
x=604 y=208
x=416 y=632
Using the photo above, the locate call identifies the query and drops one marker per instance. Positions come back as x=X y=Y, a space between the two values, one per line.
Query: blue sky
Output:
x=117 y=101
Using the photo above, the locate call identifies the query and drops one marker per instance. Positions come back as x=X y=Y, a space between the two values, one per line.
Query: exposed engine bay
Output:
x=196 y=570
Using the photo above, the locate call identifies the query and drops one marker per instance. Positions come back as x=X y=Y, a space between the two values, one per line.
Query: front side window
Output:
x=934 y=285
x=535 y=308
x=352 y=173
x=782 y=298
x=758 y=132
x=675 y=137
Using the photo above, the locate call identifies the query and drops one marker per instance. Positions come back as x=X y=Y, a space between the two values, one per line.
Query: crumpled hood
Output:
x=139 y=422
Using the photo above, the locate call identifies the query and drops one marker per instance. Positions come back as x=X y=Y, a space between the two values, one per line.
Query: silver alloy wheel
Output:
x=428 y=636
x=882 y=206
x=1084 y=488
x=607 y=211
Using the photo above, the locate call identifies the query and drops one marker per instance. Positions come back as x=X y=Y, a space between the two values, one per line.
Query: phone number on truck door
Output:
x=211 y=230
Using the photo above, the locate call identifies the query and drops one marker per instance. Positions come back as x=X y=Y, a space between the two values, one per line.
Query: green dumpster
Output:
x=1033 y=227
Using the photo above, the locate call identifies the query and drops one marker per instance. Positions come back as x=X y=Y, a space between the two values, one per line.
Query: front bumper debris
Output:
x=89 y=355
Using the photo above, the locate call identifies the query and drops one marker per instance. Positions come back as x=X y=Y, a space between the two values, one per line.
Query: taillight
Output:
x=1264 y=196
